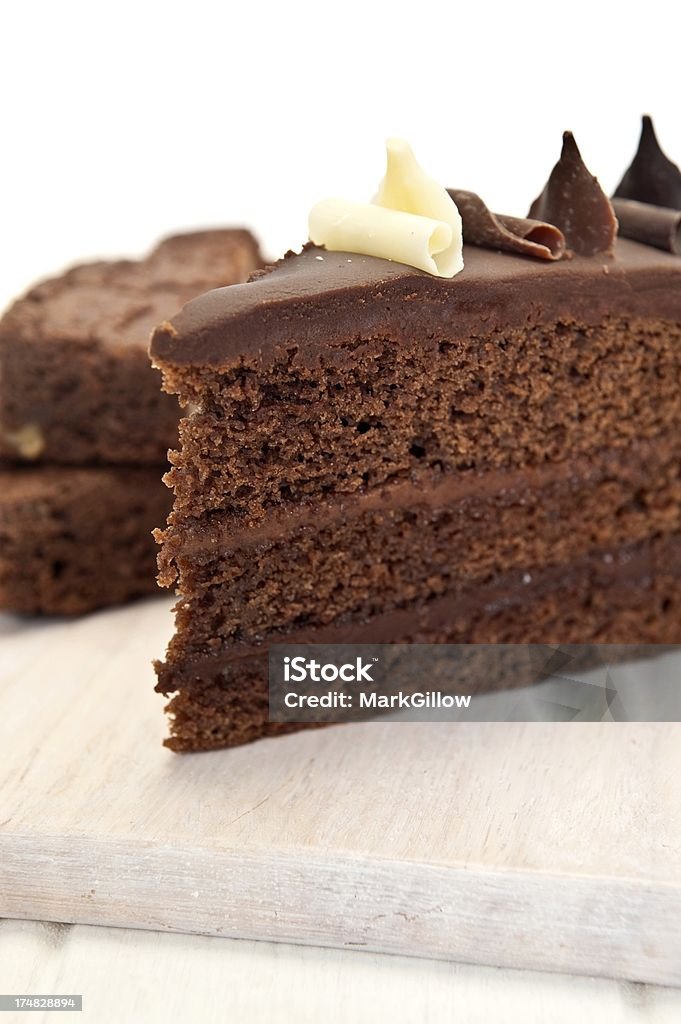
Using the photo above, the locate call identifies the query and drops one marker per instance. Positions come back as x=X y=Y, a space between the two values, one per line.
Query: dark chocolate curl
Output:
x=574 y=201
x=510 y=234
x=653 y=225
x=652 y=177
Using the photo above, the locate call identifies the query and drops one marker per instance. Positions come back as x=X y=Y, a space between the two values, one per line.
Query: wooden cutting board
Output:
x=549 y=846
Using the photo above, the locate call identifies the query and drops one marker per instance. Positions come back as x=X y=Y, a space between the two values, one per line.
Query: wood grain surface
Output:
x=543 y=846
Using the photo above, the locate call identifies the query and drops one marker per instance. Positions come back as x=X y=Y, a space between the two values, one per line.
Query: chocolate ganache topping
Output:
x=574 y=201
x=506 y=234
x=647 y=201
x=302 y=307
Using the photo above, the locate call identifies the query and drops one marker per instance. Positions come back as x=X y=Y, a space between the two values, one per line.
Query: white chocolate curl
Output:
x=412 y=219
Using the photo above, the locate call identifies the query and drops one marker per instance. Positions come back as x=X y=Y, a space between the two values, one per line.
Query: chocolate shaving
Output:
x=510 y=234
x=653 y=225
x=651 y=177
x=574 y=201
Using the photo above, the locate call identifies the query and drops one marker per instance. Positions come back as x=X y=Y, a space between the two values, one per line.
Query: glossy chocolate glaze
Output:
x=311 y=303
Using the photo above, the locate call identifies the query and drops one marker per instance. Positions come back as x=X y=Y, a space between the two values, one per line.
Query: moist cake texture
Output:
x=76 y=387
x=372 y=454
x=73 y=539
x=374 y=371
x=75 y=381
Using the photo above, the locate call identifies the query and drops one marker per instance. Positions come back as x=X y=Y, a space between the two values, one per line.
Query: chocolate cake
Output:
x=374 y=454
x=75 y=380
x=76 y=387
x=73 y=539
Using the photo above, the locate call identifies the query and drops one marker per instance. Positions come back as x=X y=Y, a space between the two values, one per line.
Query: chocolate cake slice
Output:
x=76 y=387
x=75 y=380
x=374 y=454
x=73 y=539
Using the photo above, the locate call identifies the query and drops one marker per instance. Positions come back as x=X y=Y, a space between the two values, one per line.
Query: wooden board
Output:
x=555 y=847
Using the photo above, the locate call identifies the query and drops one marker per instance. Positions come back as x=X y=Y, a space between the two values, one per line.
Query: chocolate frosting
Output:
x=512 y=486
x=507 y=234
x=574 y=201
x=305 y=308
x=635 y=562
x=653 y=225
x=651 y=177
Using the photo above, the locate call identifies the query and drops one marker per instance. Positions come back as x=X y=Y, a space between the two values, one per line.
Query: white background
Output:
x=125 y=121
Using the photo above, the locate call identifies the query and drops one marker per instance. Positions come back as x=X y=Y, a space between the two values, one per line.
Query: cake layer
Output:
x=534 y=396
x=333 y=373
x=407 y=404
x=314 y=308
x=75 y=380
x=74 y=539
x=634 y=598
x=351 y=559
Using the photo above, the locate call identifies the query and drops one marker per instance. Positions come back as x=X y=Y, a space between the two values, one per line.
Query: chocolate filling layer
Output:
x=636 y=598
